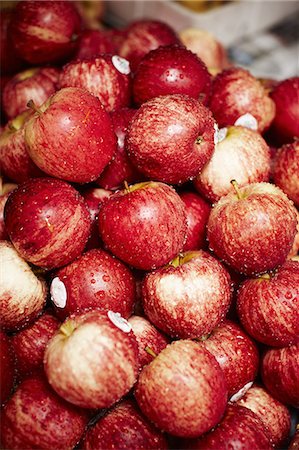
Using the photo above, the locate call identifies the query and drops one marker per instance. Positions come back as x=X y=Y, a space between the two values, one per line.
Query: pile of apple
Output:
x=149 y=292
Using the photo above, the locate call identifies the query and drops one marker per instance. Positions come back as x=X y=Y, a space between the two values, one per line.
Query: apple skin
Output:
x=236 y=354
x=253 y=234
x=16 y=163
x=268 y=306
x=183 y=390
x=243 y=155
x=235 y=91
x=198 y=211
x=171 y=69
x=92 y=362
x=279 y=370
x=92 y=43
x=36 y=417
x=71 y=137
x=170 y=138
x=144 y=225
x=286 y=170
x=274 y=415
x=105 y=283
x=35 y=84
x=124 y=427
x=147 y=335
x=143 y=36
x=189 y=297
x=239 y=429
x=10 y=63
x=29 y=344
x=7 y=367
x=107 y=77
x=5 y=190
x=44 y=32
x=285 y=125
x=47 y=222
x=22 y=294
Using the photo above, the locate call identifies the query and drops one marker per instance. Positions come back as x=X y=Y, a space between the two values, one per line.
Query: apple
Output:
x=189 y=297
x=15 y=160
x=239 y=429
x=105 y=283
x=92 y=43
x=235 y=91
x=295 y=248
x=120 y=168
x=286 y=170
x=107 y=77
x=35 y=84
x=279 y=370
x=183 y=390
x=274 y=415
x=71 y=136
x=268 y=306
x=5 y=190
x=36 y=417
x=22 y=294
x=47 y=221
x=242 y=155
x=92 y=361
x=253 y=229
x=236 y=354
x=150 y=340
x=10 y=63
x=7 y=368
x=198 y=211
x=143 y=36
x=144 y=225
x=29 y=344
x=44 y=32
x=124 y=427
x=170 y=138
x=171 y=69
x=285 y=125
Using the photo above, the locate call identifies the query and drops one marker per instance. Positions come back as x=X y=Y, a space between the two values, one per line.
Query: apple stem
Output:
x=33 y=106
x=150 y=351
x=126 y=187
x=265 y=276
x=67 y=328
x=11 y=127
x=236 y=188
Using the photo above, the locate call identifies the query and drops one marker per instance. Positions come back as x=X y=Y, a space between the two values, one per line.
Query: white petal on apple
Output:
x=248 y=121
x=119 y=321
x=121 y=64
x=58 y=293
x=241 y=392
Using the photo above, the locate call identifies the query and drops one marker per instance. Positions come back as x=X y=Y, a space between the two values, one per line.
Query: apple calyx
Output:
x=67 y=328
x=33 y=106
x=150 y=351
x=199 y=140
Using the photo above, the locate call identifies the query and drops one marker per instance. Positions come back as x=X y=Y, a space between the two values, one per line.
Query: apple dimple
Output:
x=58 y=293
x=119 y=321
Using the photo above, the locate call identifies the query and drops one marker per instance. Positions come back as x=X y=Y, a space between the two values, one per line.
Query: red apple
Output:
x=189 y=297
x=294 y=252
x=150 y=340
x=144 y=225
x=71 y=136
x=171 y=69
x=198 y=211
x=35 y=84
x=253 y=229
x=142 y=36
x=286 y=170
x=93 y=360
x=274 y=415
x=235 y=91
x=10 y=63
x=36 y=417
x=5 y=190
x=105 y=283
x=47 y=222
x=124 y=427
x=183 y=390
x=279 y=370
x=44 y=32
x=242 y=155
x=29 y=344
x=268 y=306
x=106 y=77
x=7 y=368
x=236 y=354
x=170 y=138
x=92 y=43
x=22 y=294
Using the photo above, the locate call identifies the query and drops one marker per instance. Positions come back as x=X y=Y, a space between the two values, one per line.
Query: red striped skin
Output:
x=92 y=43
x=123 y=427
x=279 y=370
x=269 y=308
x=286 y=170
x=7 y=367
x=36 y=417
